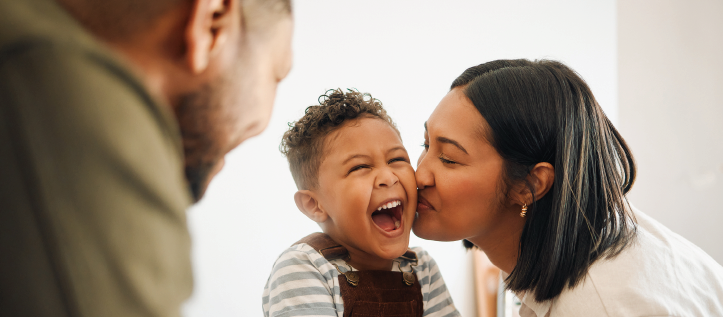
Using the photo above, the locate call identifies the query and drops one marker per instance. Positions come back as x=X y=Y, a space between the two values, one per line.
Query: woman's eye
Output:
x=446 y=161
x=425 y=145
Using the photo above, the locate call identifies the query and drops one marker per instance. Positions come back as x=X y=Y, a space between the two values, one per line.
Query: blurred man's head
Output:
x=216 y=62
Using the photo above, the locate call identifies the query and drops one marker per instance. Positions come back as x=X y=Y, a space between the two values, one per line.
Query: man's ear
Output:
x=541 y=177
x=308 y=204
x=207 y=30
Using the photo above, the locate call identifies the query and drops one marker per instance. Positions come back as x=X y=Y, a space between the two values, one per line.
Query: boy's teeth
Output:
x=396 y=224
x=390 y=204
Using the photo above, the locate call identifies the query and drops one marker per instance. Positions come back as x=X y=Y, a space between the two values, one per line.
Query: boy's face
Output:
x=365 y=167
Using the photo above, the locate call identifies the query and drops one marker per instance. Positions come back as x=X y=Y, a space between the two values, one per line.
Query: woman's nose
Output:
x=387 y=178
x=424 y=175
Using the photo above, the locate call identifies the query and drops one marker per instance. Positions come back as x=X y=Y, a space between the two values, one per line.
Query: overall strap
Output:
x=410 y=256
x=372 y=293
x=327 y=247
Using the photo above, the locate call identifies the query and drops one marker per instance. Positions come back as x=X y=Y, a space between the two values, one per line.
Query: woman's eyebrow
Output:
x=442 y=139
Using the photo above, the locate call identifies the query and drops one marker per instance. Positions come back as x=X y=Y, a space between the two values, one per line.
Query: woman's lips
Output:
x=423 y=204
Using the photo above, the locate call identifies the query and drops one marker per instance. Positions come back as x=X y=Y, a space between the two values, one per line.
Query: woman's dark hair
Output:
x=542 y=111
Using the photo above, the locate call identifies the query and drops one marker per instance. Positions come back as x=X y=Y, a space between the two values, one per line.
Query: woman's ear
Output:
x=308 y=204
x=541 y=177
x=208 y=29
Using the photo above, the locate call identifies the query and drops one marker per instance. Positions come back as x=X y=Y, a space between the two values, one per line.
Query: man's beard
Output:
x=198 y=178
x=201 y=121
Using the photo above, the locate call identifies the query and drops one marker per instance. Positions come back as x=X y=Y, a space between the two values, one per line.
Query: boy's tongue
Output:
x=384 y=221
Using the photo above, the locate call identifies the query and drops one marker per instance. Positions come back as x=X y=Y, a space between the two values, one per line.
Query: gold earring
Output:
x=524 y=211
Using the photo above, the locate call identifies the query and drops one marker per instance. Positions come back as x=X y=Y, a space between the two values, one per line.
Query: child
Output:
x=355 y=180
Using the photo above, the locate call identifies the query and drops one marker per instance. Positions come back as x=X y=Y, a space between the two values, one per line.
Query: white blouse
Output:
x=660 y=274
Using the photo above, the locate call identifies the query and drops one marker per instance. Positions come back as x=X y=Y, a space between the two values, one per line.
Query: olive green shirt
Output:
x=92 y=192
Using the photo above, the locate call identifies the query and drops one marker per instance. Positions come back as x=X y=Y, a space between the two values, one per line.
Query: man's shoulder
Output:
x=49 y=61
x=70 y=99
x=39 y=22
x=32 y=31
x=41 y=29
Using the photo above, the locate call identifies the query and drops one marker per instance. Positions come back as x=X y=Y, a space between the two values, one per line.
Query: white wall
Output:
x=671 y=107
x=406 y=53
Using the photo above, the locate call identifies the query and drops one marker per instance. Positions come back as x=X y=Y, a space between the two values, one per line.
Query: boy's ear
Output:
x=308 y=204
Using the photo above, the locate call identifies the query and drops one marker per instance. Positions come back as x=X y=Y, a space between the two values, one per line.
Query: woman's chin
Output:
x=422 y=231
x=426 y=231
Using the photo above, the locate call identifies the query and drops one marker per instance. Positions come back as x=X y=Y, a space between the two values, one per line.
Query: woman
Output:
x=521 y=161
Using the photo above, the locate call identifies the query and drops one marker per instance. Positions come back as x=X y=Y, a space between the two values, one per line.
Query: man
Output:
x=114 y=117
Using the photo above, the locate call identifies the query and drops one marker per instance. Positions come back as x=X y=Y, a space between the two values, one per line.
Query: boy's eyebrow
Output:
x=442 y=139
x=355 y=156
x=397 y=148
x=425 y=125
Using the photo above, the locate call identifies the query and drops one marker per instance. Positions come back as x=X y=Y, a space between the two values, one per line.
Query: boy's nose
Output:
x=386 y=178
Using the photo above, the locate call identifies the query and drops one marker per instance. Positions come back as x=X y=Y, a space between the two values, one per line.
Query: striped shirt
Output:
x=303 y=283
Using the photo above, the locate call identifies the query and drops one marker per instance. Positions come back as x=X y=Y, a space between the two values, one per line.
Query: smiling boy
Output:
x=356 y=181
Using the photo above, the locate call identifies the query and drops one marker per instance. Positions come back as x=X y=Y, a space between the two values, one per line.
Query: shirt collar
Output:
x=528 y=301
x=540 y=308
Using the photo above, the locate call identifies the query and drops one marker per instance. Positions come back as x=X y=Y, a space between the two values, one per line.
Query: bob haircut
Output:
x=542 y=111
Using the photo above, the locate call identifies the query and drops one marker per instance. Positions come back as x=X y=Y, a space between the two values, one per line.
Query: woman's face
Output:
x=458 y=176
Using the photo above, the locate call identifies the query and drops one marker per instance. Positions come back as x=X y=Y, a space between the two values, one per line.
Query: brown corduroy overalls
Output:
x=372 y=293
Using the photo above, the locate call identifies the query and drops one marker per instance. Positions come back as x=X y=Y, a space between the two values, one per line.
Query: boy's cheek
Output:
x=409 y=182
x=410 y=187
x=406 y=174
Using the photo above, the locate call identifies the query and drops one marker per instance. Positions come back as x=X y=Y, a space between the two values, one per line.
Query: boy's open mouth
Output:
x=388 y=216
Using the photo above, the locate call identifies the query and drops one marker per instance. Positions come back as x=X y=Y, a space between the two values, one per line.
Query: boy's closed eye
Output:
x=358 y=167
x=363 y=166
x=398 y=159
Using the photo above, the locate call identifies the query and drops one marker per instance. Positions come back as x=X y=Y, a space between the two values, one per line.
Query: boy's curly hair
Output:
x=303 y=143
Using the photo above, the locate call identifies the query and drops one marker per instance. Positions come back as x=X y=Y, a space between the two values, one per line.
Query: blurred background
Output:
x=654 y=66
